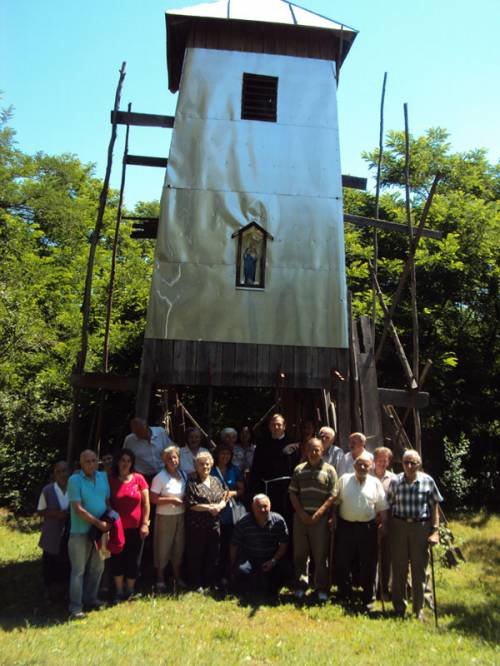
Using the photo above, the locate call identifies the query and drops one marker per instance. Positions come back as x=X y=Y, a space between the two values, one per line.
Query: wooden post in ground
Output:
x=94 y=240
x=377 y=203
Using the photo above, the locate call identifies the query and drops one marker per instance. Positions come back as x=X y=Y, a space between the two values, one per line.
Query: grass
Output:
x=201 y=630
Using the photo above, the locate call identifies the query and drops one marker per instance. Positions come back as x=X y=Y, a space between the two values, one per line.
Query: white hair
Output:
x=259 y=497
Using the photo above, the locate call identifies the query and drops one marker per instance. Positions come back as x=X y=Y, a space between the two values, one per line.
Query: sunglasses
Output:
x=410 y=463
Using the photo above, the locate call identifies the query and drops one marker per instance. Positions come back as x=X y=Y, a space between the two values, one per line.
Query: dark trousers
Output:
x=55 y=568
x=126 y=562
x=356 y=542
x=202 y=554
x=261 y=584
x=226 y=532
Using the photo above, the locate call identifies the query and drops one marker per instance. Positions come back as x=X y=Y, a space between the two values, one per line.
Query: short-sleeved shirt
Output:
x=313 y=485
x=386 y=479
x=186 y=459
x=260 y=543
x=413 y=500
x=62 y=498
x=148 y=454
x=91 y=493
x=360 y=502
x=334 y=457
x=165 y=484
x=346 y=465
x=126 y=498
x=230 y=479
x=198 y=492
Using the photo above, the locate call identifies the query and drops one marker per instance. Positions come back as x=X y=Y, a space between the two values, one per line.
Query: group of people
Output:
x=247 y=517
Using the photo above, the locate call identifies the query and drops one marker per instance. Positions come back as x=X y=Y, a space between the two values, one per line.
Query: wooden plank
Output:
x=354 y=182
x=342 y=392
x=354 y=358
x=144 y=160
x=142 y=119
x=372 y=421
x=143 y=397
x=228 y=363
x=108 y=381
x=300 y=365
x=371 y=222
x=263 y=369
x=402 y=398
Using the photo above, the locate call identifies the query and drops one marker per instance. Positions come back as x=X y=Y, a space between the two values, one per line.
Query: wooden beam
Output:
x=401 y=398
x=360 y=221
x=354 y=182
x=140 y=218
x=100 y=380
x=142 y=119
x=145 y=160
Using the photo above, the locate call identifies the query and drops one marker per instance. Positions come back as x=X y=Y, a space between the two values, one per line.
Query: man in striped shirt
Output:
x=312 y=492
x=414 y=501
x=258 y=546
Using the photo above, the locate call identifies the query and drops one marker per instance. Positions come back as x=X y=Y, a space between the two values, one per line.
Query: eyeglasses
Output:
x=410 y=463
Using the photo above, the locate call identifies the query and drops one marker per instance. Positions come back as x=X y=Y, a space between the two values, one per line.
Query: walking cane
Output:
x=380 y=577
x=434 y=587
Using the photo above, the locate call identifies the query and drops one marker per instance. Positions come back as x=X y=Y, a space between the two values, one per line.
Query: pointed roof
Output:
x=264 y=11
x=280 y=13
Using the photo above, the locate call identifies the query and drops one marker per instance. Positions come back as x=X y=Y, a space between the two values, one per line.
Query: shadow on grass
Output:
x=23 y=601
x=481 y=621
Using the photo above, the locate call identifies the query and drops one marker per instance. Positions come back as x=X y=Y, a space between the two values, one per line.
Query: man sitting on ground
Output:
x=259 y=543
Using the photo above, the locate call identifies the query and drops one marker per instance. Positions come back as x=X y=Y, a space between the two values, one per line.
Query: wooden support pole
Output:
x=197 y=425
x=409 y=410
x=94 y=240
x=377 y=204
x=406 y=269
x=410 y=377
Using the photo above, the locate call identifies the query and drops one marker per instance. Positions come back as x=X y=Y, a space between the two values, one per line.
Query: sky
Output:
x=59 y=64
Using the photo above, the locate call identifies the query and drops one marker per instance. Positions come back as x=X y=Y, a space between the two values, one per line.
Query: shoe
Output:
x=370 y=608
x=79 y=615
x=299 y=594
x=97 y=604
x=323 y=596
x=420 y=616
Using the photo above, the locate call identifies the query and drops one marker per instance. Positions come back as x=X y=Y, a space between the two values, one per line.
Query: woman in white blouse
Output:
x=167 y=492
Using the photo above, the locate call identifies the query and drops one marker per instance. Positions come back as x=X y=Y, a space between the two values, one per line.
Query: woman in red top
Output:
x=129 y=498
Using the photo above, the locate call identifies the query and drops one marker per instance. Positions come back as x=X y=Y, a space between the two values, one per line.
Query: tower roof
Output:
x=285 y=16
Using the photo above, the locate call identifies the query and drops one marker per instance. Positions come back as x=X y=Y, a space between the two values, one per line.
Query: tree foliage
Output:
x=48 y=206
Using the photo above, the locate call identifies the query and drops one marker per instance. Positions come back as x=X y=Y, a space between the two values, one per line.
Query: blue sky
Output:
x=59 y=62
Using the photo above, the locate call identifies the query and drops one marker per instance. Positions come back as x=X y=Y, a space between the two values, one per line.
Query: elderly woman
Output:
x=230 y=477
x=53 y=506
x=205 y=499
x=382 y=459
x=130 y=499
x=167 y=492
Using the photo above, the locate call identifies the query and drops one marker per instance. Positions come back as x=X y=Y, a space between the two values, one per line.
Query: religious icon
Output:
x=251 y=256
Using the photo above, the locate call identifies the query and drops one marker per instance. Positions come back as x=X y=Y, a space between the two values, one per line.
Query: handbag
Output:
x=238 y=509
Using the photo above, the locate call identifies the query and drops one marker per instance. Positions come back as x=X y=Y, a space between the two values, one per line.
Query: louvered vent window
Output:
x=259 y=97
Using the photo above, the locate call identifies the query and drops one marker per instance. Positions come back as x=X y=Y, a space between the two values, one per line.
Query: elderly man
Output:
x=191 y=450
x=258 y=546
x=333 y=455
x=88 y=493
x=312 y=491
x=414 y=501
x=357 y=444
x=362 y=513
x=148 y=444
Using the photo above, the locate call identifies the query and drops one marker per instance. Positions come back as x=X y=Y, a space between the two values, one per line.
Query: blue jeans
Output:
x=86 y=572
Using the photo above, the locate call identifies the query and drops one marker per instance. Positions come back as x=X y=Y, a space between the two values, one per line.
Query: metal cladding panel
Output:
x=224 y=173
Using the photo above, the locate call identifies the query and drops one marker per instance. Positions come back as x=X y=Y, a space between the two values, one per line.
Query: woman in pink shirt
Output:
x=129 y=498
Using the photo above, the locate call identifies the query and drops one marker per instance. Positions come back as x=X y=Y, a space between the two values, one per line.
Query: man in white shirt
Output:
x=191 y=450
x=333 y=455
x=362 y=513
x=357 y=444
x=148 y=444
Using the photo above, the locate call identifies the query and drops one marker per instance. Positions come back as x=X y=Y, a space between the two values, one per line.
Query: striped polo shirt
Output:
x=313 y=485
x=258 y=542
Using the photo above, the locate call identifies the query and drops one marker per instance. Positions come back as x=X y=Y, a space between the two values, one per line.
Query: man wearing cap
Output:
x=414 y=500
x=362 y=514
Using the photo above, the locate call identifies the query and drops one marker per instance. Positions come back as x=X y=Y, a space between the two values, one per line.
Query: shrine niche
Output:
x=251 y=256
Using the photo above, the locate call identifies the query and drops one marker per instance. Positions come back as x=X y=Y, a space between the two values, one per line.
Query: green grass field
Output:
x=201 y=630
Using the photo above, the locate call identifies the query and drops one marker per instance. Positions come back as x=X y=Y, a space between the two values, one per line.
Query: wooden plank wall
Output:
x=194 y=363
